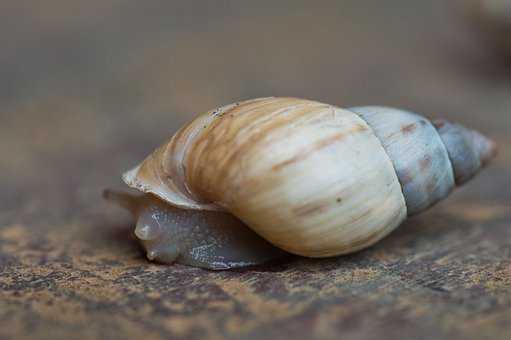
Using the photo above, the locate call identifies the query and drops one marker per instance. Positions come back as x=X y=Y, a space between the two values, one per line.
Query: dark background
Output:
x=88 y=88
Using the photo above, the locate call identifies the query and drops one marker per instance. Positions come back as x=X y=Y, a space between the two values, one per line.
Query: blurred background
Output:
x=88 y=88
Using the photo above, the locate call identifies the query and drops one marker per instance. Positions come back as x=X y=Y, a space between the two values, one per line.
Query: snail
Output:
x=251 y=181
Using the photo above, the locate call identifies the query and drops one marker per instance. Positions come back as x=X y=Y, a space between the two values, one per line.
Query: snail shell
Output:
x=311 y=178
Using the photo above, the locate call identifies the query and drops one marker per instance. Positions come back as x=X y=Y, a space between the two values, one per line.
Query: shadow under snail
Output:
x=251 y=181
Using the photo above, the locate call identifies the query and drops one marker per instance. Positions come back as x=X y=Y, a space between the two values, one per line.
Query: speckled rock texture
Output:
x=88 y=88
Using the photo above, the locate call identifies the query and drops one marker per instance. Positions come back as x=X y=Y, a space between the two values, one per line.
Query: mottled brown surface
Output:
x=88 y=88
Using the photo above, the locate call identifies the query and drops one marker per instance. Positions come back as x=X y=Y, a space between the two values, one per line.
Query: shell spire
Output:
x=468 y=150
x=430 y=158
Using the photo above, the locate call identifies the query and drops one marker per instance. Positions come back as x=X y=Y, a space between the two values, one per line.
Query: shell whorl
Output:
x=429 y=158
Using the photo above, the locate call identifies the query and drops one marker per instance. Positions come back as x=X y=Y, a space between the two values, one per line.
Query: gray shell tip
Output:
x=485 y=147
x=468 y=150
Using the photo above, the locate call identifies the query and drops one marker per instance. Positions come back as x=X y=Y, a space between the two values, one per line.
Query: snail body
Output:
x=310 y=178
x=200 y=238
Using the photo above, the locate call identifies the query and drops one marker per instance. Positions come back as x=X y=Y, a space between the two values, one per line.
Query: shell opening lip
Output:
x=131 y=178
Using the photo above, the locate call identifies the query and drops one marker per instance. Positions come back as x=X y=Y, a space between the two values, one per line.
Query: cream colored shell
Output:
x=311 y=178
